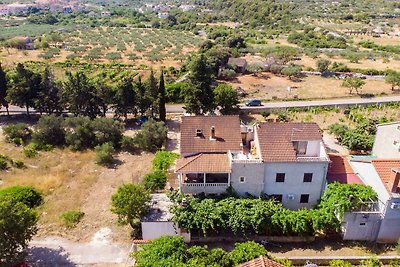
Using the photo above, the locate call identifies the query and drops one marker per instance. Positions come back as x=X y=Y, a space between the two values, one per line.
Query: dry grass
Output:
x=268 y=86
x=325 y=118
x=378 y=64
x=71 y=180
x=61 y=175
x=384 y=40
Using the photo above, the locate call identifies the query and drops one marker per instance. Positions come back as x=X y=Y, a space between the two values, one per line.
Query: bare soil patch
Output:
x=268 y=86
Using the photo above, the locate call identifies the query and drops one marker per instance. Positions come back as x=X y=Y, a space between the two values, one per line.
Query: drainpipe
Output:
x=204 y=179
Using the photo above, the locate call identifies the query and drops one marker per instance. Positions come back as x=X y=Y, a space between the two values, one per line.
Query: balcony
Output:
x=207 y=188
x=208 y=183
x=244 y=158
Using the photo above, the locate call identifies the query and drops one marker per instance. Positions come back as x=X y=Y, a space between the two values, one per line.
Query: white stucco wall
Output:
x=313 y=148
x=385 y=136
x=361 y=225
x=294 y=173
x=390 y=227
x=152 y=230
x=254 y=178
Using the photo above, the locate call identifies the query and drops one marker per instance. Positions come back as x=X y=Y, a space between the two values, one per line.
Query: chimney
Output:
x=395 y=185
x=212 y=133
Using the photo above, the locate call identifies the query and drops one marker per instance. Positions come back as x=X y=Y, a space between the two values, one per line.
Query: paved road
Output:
x=176 y=108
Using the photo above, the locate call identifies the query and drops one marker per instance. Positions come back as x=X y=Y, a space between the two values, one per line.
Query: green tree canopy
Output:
x=125 y=101
x=246 y=251
x=198 y=93
x=3 y=89
x=25 y=88
x=161 y=91
x=152 y=135
x=17 y=227
x=323 y=65
x=226 y=98
x=48 y=98
x=353 y=83
x=130 y=203
x=393 y=78
x=49 y=130
x=80 y=95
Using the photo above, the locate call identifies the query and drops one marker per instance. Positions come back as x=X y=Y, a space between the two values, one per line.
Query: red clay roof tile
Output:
x=261 y=262
x=276 y=139
x=227 y=133
x=207 y=163
x=384 y=168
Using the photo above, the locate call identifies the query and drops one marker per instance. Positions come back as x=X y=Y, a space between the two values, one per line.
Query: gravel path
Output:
x=100 y=251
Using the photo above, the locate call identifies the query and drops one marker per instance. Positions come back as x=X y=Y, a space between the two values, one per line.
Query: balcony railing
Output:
x=204 y=184
x=247 y=161
x=301 y=158
x=208 y=188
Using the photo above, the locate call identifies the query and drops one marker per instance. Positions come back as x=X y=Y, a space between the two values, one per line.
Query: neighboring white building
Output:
x=4 y=10
x=16 y=9
x=387 y=141
x=286 y=161
x=378 y=221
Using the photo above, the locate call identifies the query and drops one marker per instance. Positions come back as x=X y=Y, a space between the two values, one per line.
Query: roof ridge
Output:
x=386 y=160
x=262 y=261
x=190 y=161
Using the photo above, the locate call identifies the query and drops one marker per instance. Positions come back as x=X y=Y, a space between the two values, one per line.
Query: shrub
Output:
x=283 y=117
x=79 y=133
x=265 y=114
x=246 y=251
x=227 y=74
x=71 y=218
x=19 y=130
x=127 y=143
x=107 y=130
x=3 y=163
x=372 y=262
x=152 y=135
x=18 y=163
x=339 y=130
x=163 y=159
x=155 y=180
x=24 y=194
x=339 y=263
x=49 y=130
x=31 y=151
x=104 y=153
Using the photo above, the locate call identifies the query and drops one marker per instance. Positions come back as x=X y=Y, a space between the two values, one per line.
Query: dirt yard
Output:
x=71 y=180
x=267 y=86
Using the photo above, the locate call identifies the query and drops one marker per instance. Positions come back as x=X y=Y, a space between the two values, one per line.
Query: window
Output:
x=242 y=179
x=304 y=198
x=199 y=132
x=280 y=177
x=277 y=198
x=363 y=224
x=300 y=147
x=307 y=178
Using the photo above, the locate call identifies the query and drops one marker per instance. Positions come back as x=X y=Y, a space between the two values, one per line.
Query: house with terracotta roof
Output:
x=261 y=261
x=379 y=221
x=340 y=170
x=286 y=161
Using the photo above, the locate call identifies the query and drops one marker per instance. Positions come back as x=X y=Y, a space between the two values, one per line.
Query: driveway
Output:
x=100 y=251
